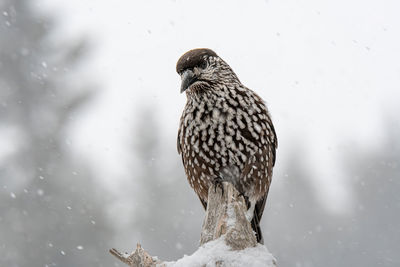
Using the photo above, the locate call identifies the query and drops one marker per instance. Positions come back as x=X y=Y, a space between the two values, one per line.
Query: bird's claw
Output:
x=217 y=182
x=246 y=199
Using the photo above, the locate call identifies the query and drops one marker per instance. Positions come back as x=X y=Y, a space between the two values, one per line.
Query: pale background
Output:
x=89 y=112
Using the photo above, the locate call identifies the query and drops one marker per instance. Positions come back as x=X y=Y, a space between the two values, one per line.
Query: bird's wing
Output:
x=274 y=142
x=204 y=203
x=178 y=143
x=259 y=166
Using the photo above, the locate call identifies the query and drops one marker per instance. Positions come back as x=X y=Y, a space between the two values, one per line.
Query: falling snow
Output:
x=332 y=86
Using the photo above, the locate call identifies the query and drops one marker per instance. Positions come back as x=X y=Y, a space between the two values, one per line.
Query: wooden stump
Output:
x=225 y=218
x=225 y=215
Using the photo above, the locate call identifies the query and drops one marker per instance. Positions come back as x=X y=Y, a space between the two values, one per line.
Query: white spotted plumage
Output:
x=215 y=134
x=225 y=131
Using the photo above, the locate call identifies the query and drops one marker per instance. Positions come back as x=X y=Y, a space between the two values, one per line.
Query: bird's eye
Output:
x=203 y=65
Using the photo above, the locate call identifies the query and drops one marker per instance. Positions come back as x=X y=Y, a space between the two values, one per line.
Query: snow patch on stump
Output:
x=217 y=253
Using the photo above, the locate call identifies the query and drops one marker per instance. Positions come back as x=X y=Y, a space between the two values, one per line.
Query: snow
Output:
x=217 y=250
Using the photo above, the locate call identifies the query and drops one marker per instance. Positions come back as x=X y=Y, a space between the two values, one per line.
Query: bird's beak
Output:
x=188 y=78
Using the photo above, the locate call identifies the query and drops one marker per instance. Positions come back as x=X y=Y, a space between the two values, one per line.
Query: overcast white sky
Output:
x=329 y=71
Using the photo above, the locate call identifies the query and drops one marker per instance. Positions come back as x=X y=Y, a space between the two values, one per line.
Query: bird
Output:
x=225 y=132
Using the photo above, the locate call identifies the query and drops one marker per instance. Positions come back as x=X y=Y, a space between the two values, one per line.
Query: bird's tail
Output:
x=255 y=224
x=257 y=213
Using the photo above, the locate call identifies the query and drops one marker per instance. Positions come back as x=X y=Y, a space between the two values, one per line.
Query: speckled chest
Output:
x=219 y=133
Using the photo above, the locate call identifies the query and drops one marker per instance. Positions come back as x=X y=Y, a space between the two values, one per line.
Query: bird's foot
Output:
x=246 y=199
x=217 y=182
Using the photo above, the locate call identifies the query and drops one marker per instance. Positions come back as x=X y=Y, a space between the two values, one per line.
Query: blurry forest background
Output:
x=58 y=209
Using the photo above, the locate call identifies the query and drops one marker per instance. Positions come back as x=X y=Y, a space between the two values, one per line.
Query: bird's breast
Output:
x=228 y=136
x=211 y=133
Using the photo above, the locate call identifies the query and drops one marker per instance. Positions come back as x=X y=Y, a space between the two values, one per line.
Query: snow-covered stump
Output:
x=227 y=238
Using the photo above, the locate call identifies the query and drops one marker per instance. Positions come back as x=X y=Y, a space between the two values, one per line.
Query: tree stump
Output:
x=226 y=232
x=225 y=215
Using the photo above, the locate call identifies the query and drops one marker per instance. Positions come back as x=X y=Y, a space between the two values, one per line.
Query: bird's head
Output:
x=202 y=68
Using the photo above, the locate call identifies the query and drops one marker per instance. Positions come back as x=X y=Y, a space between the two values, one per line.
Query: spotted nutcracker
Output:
x=225 y=132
